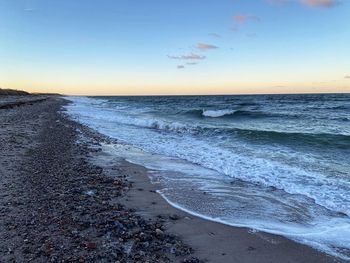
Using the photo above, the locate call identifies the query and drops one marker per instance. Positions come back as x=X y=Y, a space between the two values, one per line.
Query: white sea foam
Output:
x=217 y=113
x=324 y=232
x=240 y=161
x=332 y=193
x=331 y=237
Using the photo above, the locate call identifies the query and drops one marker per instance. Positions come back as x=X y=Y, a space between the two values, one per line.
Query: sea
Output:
x=273 y=163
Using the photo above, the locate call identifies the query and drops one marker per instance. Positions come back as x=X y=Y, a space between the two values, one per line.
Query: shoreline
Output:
x=55 y=206
x=63 y=199
x=212 y=241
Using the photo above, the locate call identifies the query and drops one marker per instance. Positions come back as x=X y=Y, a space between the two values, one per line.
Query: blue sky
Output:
x=175 y=47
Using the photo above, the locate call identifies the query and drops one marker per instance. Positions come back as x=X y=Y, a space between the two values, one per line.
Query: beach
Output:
x=65 y=199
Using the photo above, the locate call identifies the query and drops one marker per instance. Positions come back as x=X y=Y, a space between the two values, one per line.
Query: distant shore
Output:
x=8 y=102
x=64 y=199
x=13 y=92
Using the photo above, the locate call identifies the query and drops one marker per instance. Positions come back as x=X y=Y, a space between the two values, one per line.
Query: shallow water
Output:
x=275 y=163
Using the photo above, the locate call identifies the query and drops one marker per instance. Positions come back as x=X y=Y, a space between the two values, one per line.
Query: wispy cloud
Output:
x=29 y=9
x=278 y=1
x=347 y=77
x=191 y=56
x=191 y=63
x=204 y=46
x=215 y=35
x=312 y=3
x=320 y=3
x=180 y=67
x=242 y=19
x=251 y=35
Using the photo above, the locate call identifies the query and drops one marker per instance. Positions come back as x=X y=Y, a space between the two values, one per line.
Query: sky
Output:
x=163 y=47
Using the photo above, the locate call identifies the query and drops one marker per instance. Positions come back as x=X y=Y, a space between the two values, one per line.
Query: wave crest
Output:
x=217 y=113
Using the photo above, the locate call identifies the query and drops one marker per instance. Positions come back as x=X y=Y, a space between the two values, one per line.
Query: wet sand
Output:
x=211 y=241
x=63 y=199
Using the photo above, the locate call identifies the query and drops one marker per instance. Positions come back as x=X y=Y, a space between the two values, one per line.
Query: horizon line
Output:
x=189 y=95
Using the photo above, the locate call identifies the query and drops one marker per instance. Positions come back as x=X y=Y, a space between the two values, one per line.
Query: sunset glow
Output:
x=175 y=47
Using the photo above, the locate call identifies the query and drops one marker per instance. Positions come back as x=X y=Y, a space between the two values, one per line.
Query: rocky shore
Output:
x=64 y=199
x=55 y=206
x=9 y=102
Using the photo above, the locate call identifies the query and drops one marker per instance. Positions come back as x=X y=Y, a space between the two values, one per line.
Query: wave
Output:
x=321 y=229
x=321 y=140
x=341 y=141
x=156 y=135
x=229 y=113
x=341 y=107
x=217 y=113
x=314 y=236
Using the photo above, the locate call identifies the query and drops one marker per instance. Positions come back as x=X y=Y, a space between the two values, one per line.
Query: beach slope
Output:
x=63 y=199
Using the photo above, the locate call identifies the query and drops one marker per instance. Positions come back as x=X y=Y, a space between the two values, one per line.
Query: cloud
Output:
x=242 y=19
x=251 y=35
x=191 y=63
x=347 y=77
x=215 y=35
x=180 y=66
x=29 y=9
x=204 y=46
x=312 y=3
x=320 y=3
x=191 y=56
x=278 y=1
x=234 y=29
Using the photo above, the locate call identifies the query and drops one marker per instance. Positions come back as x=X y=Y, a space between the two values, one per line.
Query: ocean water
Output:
x=275 y=163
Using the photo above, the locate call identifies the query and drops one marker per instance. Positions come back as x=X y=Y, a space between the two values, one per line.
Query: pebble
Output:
x=72 y=212
x=91 y=245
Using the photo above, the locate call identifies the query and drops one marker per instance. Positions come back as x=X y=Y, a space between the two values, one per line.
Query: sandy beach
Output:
x=64 y=199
